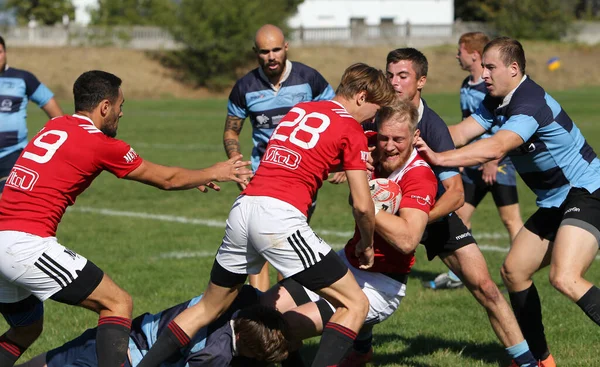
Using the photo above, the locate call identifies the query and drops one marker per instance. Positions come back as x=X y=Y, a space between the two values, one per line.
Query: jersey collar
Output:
x=286 y=74
x=83 y=118
x=421 y=109
x=508 y=97
x=396 y=174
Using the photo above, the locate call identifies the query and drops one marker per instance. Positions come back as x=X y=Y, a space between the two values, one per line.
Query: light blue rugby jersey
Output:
x=254 y=96
x=17 y=87
x=555 y=155
x=471 y=96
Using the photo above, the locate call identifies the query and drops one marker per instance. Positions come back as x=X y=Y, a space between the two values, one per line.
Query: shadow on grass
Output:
x=422 y=345
x=425 y=276
x=421 y=275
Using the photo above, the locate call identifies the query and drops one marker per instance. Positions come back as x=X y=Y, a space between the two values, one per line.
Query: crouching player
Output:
x=246 y=330
x=396 y=237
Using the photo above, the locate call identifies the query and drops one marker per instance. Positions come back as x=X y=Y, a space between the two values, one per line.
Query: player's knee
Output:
x=507 y=274
x=120 y=303
x=359 y=305
x=27 y=334
x=563 y=281
x=490 y=291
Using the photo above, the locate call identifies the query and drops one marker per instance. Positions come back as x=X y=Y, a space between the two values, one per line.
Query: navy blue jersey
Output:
x=17 y=87
x=211 y=346
x=435 y=133
x=555 y=155
x=253 y=96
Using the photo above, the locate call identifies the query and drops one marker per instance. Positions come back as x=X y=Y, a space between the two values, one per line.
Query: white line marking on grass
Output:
x=179 y=147
x=221 y=224
x=203 y=254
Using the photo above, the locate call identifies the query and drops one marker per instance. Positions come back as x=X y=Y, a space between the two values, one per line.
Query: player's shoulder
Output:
x=430 y=117
x=300 y=68
x=528 y=98
x=19 y=74
x=250 y=82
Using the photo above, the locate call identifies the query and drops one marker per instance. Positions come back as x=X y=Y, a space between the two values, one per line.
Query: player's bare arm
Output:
x=404 y=232
x=452 y=199
x=364 y=215
x=177 y=178
x=479 y=152
x=52 y=108
x=465 y=131
x=231 y=135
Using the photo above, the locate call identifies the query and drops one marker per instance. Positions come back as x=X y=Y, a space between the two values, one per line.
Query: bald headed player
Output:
x=265 y=95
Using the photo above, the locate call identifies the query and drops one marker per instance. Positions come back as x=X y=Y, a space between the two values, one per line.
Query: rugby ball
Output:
x=386 y=195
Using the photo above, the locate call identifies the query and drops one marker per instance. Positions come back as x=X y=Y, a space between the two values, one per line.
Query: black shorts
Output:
x=6 y=165
x=445 y=236
x=580 y=209
x=503 y=194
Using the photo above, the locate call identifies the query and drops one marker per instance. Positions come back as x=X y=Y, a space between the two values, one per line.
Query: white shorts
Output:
x=35 y=265
x=383 y=292
x=261 y=228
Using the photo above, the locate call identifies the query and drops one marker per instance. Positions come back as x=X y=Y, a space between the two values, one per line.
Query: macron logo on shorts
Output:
x=464 y=235
x=573 y=209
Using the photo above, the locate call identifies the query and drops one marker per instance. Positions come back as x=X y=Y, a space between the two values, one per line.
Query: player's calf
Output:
x=26 y=321
x=114 y=305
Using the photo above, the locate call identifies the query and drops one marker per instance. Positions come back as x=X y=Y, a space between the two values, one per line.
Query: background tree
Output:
x=45 y=12
x=134 y=12
x=218 y=36
x=522 y=19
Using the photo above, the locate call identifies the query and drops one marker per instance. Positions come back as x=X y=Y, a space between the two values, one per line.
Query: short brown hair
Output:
x=362 y=77
x=419 y=61
x=474 y=41
x=264 y=331
x=399 y=111
x=510 y=50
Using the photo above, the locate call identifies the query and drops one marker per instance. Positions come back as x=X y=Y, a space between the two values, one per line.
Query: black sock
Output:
x=363 y=343
x=112 y=340
x=9 y=352
x=294 y=359
x=168 y=344
x=590 y=304
x=528 y=311
x=336 y=342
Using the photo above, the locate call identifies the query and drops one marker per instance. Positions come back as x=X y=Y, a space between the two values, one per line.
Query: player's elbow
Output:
x=363 y=207
x=405 y=244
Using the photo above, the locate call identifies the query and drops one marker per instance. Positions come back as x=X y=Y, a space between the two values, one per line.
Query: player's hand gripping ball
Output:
x=386 y=195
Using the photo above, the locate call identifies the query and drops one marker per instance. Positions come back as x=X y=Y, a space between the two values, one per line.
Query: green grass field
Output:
x=159 y=246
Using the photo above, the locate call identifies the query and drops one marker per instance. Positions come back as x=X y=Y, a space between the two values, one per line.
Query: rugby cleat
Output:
x=443 y=281
x=548 y=362
x=357 y=359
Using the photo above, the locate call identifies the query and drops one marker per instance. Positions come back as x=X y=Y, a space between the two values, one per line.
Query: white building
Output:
x=82 y=10
x=344 y=13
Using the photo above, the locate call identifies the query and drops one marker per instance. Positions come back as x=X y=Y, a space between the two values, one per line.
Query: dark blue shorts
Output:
x=6 y=165
x=504 y=190
x=79 y=352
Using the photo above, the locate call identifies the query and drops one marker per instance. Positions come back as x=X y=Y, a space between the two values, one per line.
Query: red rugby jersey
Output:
x=57 y=165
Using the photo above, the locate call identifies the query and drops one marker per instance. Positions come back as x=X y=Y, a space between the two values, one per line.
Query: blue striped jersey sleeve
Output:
x=236 y=106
